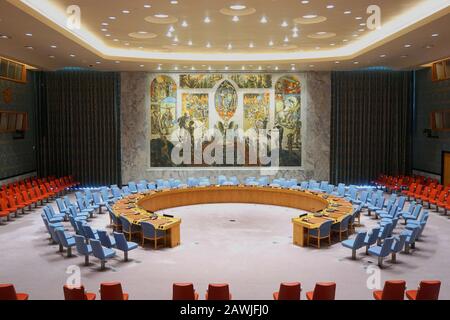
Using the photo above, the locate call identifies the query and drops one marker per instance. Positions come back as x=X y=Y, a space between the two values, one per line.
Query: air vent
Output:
x=13 y=71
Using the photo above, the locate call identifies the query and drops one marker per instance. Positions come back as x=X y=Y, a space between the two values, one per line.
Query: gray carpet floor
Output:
x=248 y=246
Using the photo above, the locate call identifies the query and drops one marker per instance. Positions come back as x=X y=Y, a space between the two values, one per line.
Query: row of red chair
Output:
x=396 y=290
x=433 y=194
x=19 y=196
x=399 y=183
x=393 y=290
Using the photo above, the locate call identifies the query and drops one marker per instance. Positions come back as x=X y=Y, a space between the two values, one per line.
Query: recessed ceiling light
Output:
x=295 y=29
x=404 y=56
x=311 y=66
x=317 y=48
x=29 y=34
x=112 y=18
x=235 y=19
x=362 y=24
x=175 y=39
x=337 y=62
x=407 y=45
x=321 y=33
x=171 y=29
x=51 y=57
x=295 y=35
x=361 y=30
x=127 y=43
x=192 y=68
x=251 y=45
x=310 y=16
x=142 y=32
x=107 y=35
x=270 y=43
x=286 y=39
x=259 y=68
x=382 y=56
x=356 y=62
x=159 y=68
x=330 y=6
x=190 y=43
x=238 y=7
x=126 y=11
x=98 y=62
x=117 y=62
x=161 y=16
x=184 y=24
x=284 y=24
x=29 y=47
x=174 y=2
x=347 y=12
x=332 y=44
x=305 y=2
x=263 y=19
x=146 y=6
x=116 y=40
x=276 y=67
x=207 y=20
x=345 y=40
x=358 y=18
x=227 y=67
x=230 y=46
x=169 y=34
x=141 y=66
x=105 y=24
x=435 y=35
x=208 y=45
x=293 y=68
x=104 y=29
x=175 y=68
x=243 y=68
x=355 y=35
x=53 y=46
x=209 y=68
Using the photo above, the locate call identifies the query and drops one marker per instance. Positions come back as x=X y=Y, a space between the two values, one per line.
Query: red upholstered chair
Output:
x=323 y=291
x=184 y=291
x=8 y=292
x=393 y=290
x=288 y=291
x=77 y=293
x=218 y=292
x=112 y=291
x=428 y=290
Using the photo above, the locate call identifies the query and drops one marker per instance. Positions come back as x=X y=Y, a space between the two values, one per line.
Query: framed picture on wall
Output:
x=3 y=122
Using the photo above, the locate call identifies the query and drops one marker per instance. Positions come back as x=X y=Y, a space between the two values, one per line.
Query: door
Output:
x=446 y=168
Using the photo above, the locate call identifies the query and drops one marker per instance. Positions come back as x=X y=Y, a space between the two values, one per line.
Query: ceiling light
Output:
x=238 y=7
x=192 y=68
x=107 y=35
x=142 y=32
x=251 y=45
x=105 y=24
x=29 y=34
x=435 y=35
x=311 y=66
x=317 y=48
x=126 y=11
x=174 y=2
x=171 y=29
x=286 y=39
x=362 y=24
x=284 y=24
x=407 y=45
x=235 y=19
x=263 y=19
x=337 y=62
x=141 y=66
x=276 y=67
x=305 y=2
x=345 y=40
x=321 y=33
x=295 y=35
x=293 y=68
x=382 y=56
x=117 y=61
x=184 y=24
x=332 y=44
x=175 y=68
x=158 y=68
x=404 y=56
x=104 y=29
x=230 y=46
x=161 y=16
x=190 y=43
x=72 y=55
x=169 y=34
x=127 y=44
x=347 y=12
x=175 y=39
x=98 y=62
x=146 y=6
x=243 y=68
x=295 y=29
x=112 y=18
x=208 y=45
x=358 y=18
x=53 y=46
x=259 y=68
x=207 y=20
x=227 y=67
x=310 y=16
x=361 y=30
x=209 y=68
x=270 y=43
x=29 y=47
x=330 y=6
x=51 y=57
x=116 y=40
x=356 y=62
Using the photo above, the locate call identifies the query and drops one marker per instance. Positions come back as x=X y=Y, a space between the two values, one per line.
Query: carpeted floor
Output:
x=247 y=246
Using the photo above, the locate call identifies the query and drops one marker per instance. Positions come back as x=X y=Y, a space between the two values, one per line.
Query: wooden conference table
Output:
x=143 y=207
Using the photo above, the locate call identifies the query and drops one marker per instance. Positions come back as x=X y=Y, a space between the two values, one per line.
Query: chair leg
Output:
x=125 y=253
x=318 y=243
x=102 y=264
x=86 y=260
x=61 y=249
x=380 y=262
x=69 y=252
x=394 y=257
x=353 y=254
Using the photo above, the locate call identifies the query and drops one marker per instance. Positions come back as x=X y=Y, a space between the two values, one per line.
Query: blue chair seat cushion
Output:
x=109 y=253
x=349 y=243
x=132 y=245
x=375 y=250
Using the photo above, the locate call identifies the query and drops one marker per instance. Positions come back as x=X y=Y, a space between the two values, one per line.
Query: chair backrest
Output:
x=373 y=236
x=324 y=291
x=117 y=193
x=7 y=292
x=97 y=198
x=62 y=236
x=394 y=290
x=359 y=240
x=81 y=245
x=428 y=290
x=401 y=203
x=74 y=293
x=399 y=243
x=141 y=187
x=219 y=292
x=126 y=190
x=97 y=249
x=126 y=225
x=364 y=196
x=104 y=238
x=132 y=186
x=344 y=223
x=81 y=204
x=289 y=291
x=61 y=206
x=380 y=201
x=386 y=247
x=183 y=291
x=111 y=291
x=148 y=230
x=121 y=241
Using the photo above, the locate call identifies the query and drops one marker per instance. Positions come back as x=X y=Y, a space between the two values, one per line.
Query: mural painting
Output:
x=253 y=81
x=199 y=81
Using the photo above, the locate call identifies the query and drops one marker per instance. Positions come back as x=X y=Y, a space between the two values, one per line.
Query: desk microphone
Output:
x=168 y=216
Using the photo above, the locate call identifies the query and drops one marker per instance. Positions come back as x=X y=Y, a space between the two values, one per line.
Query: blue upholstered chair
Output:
x=78 y=215
x=98 y=201
x=341 y=227
x=150 y=233
x=83 y=207
x=83 y=248
x=234 y=180
x=397 y=246
x=410 y=210
x=264 y=181
x=141 y=188
x=128 y=228
x=356 y=215
x=90 y=233
x=151 y=186
x=88 y=196
x=117 y=193
x=379 y=205
x=401 y=203
x=50 y=218
x=80 y=228
x=65 y=240
x=62 y=207
x=323 y=232
x=385 y=232
x=52 y=230
x=362 y=198
x=340 y=193
x=371 y=238
x=411 y=237
x=414 y=215
x=382 y=251
x=123 y=245
x=114 y=221
x=106 y=240
x=392 y=199
x=143 y=181
x=323 y=186
x=101 y=253
x=356 y=243
x=192 y=182
x=126 y=191
x=390 y=213
x=132 y=187
x=371 y=199
x=421 y=223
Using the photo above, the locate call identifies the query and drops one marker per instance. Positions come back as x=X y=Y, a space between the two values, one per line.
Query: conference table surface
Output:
x=320 y=207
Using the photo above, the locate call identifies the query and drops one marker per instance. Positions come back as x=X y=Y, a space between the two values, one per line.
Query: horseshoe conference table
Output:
x=144 y=207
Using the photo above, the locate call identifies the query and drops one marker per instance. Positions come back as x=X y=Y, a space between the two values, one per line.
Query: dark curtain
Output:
x=78 y=126
x=371 y=125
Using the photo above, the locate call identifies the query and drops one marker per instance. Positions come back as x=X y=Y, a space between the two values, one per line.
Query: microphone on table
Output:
x=168 y=216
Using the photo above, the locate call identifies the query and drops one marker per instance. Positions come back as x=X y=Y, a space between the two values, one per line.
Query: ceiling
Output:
x=240 y=34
